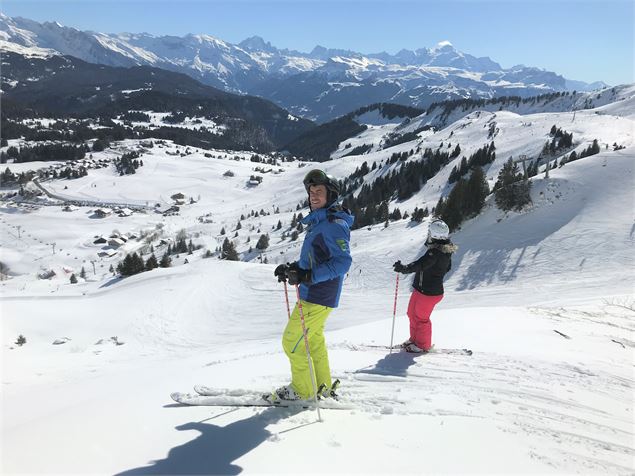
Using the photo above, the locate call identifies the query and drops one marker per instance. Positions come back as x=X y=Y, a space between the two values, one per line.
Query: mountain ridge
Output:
x=320 y=85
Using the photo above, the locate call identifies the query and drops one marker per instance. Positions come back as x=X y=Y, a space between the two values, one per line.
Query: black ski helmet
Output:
x=319 y=177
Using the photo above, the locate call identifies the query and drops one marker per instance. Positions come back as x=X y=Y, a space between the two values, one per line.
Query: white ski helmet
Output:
x=438 y=230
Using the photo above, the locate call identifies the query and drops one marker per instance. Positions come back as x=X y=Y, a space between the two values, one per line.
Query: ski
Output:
x=207 y=396
x=434 y=350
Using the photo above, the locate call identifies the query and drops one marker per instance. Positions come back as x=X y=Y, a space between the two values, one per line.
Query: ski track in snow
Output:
x=539 y=401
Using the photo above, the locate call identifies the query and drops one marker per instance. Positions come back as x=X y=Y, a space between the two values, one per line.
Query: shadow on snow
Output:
x=216 y=447
x=395 y=364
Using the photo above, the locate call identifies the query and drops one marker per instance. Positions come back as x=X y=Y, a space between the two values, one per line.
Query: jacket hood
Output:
x=333 y=213
x=448 y=247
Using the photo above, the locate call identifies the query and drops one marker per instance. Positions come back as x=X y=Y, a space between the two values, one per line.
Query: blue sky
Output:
x=586 y=40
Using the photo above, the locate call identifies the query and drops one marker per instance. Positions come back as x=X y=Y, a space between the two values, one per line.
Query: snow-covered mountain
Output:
x=321 y=85
x=380 y=126
x=40 y=83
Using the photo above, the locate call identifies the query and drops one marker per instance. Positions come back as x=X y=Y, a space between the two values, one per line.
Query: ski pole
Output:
x=286 y=296
x=394 y=313
x=308 y=352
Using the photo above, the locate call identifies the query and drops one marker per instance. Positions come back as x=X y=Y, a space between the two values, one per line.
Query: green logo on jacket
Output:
x=342 y=244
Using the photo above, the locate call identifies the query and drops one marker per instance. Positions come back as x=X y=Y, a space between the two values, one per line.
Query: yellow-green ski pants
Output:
x=293 y=344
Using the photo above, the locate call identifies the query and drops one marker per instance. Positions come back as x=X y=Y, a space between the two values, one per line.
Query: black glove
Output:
x=281 y=272
x=298 y=275
x=398 y=267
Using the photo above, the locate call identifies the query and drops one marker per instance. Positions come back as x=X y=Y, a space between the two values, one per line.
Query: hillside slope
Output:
x=543 y=296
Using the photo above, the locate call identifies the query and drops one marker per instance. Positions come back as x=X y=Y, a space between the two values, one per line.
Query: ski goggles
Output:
x=316 y=177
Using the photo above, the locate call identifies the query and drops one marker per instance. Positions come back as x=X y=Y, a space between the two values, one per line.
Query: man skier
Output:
x=324 y=261
x=428 y=285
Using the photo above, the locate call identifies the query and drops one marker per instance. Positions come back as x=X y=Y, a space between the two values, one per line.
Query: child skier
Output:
x=324 y=261
x=428 y=285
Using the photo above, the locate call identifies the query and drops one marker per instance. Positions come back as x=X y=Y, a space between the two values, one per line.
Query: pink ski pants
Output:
x=419 y=309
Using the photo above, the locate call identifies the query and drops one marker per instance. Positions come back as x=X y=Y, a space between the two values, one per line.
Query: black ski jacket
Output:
x=431 y=268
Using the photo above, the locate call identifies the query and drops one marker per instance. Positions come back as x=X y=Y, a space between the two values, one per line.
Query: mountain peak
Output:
x=53 y=24
x=325 y=53
x=256 y=43
x=443 y=45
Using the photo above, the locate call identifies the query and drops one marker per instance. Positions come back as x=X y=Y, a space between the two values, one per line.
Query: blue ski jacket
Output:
x=326 y=253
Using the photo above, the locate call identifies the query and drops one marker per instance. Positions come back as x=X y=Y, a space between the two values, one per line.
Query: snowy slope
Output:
x=544 y=401
x=617 y=101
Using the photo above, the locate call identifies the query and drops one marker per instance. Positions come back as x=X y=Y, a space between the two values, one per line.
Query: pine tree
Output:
x=151 y=262
x=263 y=242
x=382 y=212
x=73 y=279
x=476 y=193
x=82 y=273
x=511 y=189
x=139 y=265
x=229 y=251
x=395 y=215
x=438 y=209
x=572 y=157
x=166 y=261
x=451 y=212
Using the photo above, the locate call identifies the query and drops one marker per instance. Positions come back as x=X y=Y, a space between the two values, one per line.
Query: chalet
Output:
x=116 y=242
x=123 y=212
x=173 y=210
x=48 y=274
x=254 y=181
x=101 y=213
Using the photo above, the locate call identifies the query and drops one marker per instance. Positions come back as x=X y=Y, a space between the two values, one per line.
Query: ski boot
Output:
x=285 y=392
x=415 y=349
x=329 y=392
x=404 y=344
